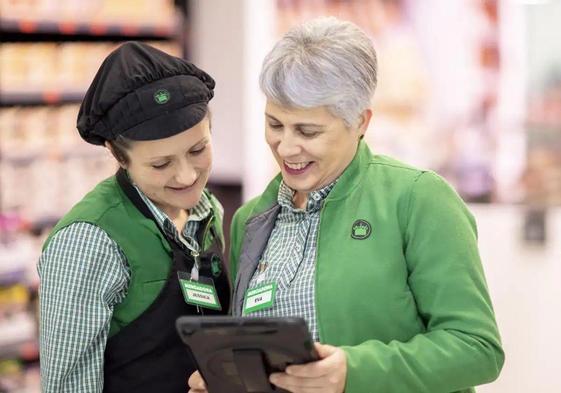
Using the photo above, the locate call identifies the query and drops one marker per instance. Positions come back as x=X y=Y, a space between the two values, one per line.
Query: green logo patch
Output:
x=162 y=96
x=361 y=229
x=215 y=266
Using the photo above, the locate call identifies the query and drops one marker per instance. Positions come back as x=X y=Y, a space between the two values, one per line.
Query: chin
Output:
x=296 y=186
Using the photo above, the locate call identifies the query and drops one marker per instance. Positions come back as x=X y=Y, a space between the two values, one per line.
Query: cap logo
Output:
x=361 y=229
x=162 y=96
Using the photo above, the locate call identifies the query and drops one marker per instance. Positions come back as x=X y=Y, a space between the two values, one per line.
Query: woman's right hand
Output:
x=197 y=383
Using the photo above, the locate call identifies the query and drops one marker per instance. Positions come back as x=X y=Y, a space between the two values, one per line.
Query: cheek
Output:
x=271 y=139
x=153 y=181
x=204 y=161
x=147 y=176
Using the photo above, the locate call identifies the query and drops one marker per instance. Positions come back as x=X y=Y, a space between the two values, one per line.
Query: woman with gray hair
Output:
x=378 y=257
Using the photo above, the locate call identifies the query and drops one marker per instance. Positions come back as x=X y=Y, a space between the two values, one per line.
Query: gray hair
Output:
x=323 y=62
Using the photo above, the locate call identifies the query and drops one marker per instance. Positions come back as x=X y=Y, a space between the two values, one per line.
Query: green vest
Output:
x=147 y=251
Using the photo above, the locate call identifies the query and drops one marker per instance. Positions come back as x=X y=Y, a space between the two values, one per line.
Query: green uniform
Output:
x=399 y=283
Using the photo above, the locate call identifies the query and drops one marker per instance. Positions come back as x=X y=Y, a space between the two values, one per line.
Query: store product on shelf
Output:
x=18 y=318
x=64 y=68
x=132 y=12
x=45 y=167
x=53 y=51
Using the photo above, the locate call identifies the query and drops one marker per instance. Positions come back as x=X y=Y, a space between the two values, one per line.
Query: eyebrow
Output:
x=271 y=117
x=203 y=140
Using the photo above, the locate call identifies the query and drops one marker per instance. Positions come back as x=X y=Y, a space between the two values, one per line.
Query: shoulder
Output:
x=250 y=209
x=105 y=197
x=398 y=170
x=385 y=171
x=388 y=178
x=81 y=242
x=78 y=235
x=246 y=209
x=259 y=204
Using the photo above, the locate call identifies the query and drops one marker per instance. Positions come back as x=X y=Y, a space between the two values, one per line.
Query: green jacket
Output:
x=409 y=303
x=148 y=252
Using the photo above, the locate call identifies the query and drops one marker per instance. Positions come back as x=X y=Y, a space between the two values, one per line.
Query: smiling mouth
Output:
x=179 y=189
x=296 y=168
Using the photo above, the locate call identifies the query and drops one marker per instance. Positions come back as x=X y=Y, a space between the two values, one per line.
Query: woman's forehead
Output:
x=174 y=145
x=277 y=111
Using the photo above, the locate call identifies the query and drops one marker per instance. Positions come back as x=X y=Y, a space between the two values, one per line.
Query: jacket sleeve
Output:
x=460 y=347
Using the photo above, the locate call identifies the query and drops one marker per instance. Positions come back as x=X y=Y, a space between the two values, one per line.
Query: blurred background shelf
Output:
x=71 y=28
x=50 y=52
x=44 y=30
x=40 y=98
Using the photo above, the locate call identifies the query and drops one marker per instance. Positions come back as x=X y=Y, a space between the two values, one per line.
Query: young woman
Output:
x=144 y=246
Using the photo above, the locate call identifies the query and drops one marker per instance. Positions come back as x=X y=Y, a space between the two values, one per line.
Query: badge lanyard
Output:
x=194 y=249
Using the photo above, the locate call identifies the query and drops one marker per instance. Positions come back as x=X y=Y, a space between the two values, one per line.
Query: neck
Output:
x=300 y=199
x=176 y=215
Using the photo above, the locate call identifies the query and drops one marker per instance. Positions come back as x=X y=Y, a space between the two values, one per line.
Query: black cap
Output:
x=142 y=93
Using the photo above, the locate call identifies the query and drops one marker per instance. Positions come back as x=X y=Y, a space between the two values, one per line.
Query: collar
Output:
x=315 y=198
x=198 y=213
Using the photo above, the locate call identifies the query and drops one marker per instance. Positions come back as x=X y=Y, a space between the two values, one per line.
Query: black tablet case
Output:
x=236 y=355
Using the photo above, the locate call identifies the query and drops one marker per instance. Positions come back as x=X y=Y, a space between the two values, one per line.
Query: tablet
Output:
x=237 y=354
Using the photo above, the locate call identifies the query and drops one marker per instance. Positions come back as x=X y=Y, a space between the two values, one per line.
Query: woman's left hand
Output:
x=328 y=374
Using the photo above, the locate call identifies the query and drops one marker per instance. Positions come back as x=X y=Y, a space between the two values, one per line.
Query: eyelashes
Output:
x=164 y=165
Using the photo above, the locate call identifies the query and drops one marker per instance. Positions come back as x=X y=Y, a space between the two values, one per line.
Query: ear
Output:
x=115 y=155
x=365 y=118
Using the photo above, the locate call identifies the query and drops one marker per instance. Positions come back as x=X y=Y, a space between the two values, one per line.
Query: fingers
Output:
x=297 y=384
x=329 y=360
x=324 y=350
x=197 y=383
x=325 y=375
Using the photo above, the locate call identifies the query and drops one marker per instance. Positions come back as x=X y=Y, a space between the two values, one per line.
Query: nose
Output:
x=288 y=145
x=186 y=173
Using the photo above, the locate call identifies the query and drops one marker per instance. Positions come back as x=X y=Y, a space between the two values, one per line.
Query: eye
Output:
x=275 y=126
x=160 y=166
x=309 y=134
x=198 y=151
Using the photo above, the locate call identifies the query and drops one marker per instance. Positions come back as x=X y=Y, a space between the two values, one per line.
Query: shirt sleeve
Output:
x=461 y=346
x=83 y=275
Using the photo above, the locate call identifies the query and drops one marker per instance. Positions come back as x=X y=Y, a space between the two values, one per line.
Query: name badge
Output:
x=199 y=293
x=259 y=298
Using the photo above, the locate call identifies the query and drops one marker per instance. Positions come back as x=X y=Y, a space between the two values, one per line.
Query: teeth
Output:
x=297 y=166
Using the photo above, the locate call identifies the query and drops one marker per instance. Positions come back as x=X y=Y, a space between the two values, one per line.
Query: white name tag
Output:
x=259 y=298
x=199 y=293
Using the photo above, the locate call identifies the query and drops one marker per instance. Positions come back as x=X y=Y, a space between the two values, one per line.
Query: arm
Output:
x=461 y=346
x=83 y=274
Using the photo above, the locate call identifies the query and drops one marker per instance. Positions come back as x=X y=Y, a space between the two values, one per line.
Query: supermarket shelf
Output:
x=40 y=98
x=18 y=336
x=22 y=157
x=12 y=28
x=12 y=277
x=27 y=350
